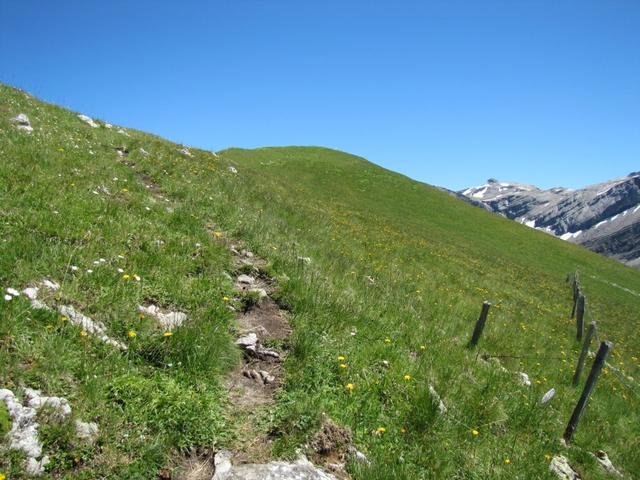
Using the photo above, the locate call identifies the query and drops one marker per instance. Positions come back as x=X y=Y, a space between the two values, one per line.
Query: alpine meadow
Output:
x=120 y=269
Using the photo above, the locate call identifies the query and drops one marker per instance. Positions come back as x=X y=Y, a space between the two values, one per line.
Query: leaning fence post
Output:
x=477 y=331
x=601 y=357
x=579 y=317
x=584 y=352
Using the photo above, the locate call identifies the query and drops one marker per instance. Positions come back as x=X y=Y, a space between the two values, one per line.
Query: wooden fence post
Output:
x=584 y=352
x=601 y=357
x=579 y=316
x=576 y=292
x=477 y=331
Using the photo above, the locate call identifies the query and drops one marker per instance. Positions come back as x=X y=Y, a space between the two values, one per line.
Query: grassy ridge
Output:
x=433 y=260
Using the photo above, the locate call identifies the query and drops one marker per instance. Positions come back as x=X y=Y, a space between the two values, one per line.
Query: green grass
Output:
x=434 y=260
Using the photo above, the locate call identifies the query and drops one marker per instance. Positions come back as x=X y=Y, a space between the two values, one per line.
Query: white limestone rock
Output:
x=22 y=122
x=301 y=469
x=560 y=466
x=168 y=320
x=88 y=120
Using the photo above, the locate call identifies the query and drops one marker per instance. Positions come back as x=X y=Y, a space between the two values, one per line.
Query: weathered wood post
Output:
x=579 y=317
x=598 y=363
x=576 y=292
x=477 y=331
x=584 y=352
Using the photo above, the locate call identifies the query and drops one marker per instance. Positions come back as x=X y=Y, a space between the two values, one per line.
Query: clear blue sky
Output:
x=447 y=92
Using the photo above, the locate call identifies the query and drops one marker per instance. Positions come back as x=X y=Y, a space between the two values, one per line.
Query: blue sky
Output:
x=447 y=92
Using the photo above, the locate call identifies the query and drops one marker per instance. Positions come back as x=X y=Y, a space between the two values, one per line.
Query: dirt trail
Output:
x=262 y=330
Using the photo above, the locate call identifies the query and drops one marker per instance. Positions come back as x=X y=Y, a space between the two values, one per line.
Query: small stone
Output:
x=143 y=152
x=306 y=260
x=88 y=120
x=249 y=340
x=603 y=459
x=22 y=122
x=86 y=430
x=267 y=378
x=246 y=279
x=524 y=379
x=233 y=169
x=560 y=466
x=185 y=151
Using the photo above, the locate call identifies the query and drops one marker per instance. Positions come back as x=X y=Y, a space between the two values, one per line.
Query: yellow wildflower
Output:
x=349 y=387
x=131 y=333
x=341 y=358
x=343 y=365
x=475 y=432
x=423 y=347
x=49 y=327
x=167 y=334
x=217 y=234
x=64 y=318
x=125 y=276
x=387 y=340
x=407 y=378
x=380 y=430
x=2 y=476
x=507 y=461
x=225 y=299
x=83 y=333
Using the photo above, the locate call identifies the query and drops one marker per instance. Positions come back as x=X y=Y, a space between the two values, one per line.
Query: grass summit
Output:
x=382 y=277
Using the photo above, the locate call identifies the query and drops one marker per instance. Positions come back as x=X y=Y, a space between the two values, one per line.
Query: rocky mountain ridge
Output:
x=604 y=217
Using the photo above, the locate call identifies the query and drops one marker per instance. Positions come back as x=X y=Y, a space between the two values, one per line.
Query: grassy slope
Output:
x=434 y=260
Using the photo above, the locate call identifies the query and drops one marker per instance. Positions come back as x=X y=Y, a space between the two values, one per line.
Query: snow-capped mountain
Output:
x=604 y=217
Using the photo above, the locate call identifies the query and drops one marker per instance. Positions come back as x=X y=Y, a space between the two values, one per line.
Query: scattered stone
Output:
x=167 y=320
x=143 y=152
x=251 y=345
x=302 y=469
x=23 y=435
x=524 y=379
x=548 y=396
x=246 y=279
x=59 y=405
x=108 y=125
x=267 y=378
x=246 y=341
x=88 y=120
x=122 y=151
x=560 y=466
x=603 y=459
x=89 y=325
x=358 y=455
x=8 y=297
x=185 y=151
x=385 y=363
x=306 y=260
x=13 y=292
x=436 y=398
x=370 y=279
x=22 y=122
x=233 y=169
x=87 y=431
x=123 y=132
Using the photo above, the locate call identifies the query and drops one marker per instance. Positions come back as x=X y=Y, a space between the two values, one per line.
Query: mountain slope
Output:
x=604 y=217
x=383 y=278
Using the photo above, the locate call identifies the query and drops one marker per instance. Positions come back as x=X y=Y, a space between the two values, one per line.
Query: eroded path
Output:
x=262 y=329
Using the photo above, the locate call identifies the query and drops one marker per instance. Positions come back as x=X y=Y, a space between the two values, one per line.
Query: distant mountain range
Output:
x=604 y=218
